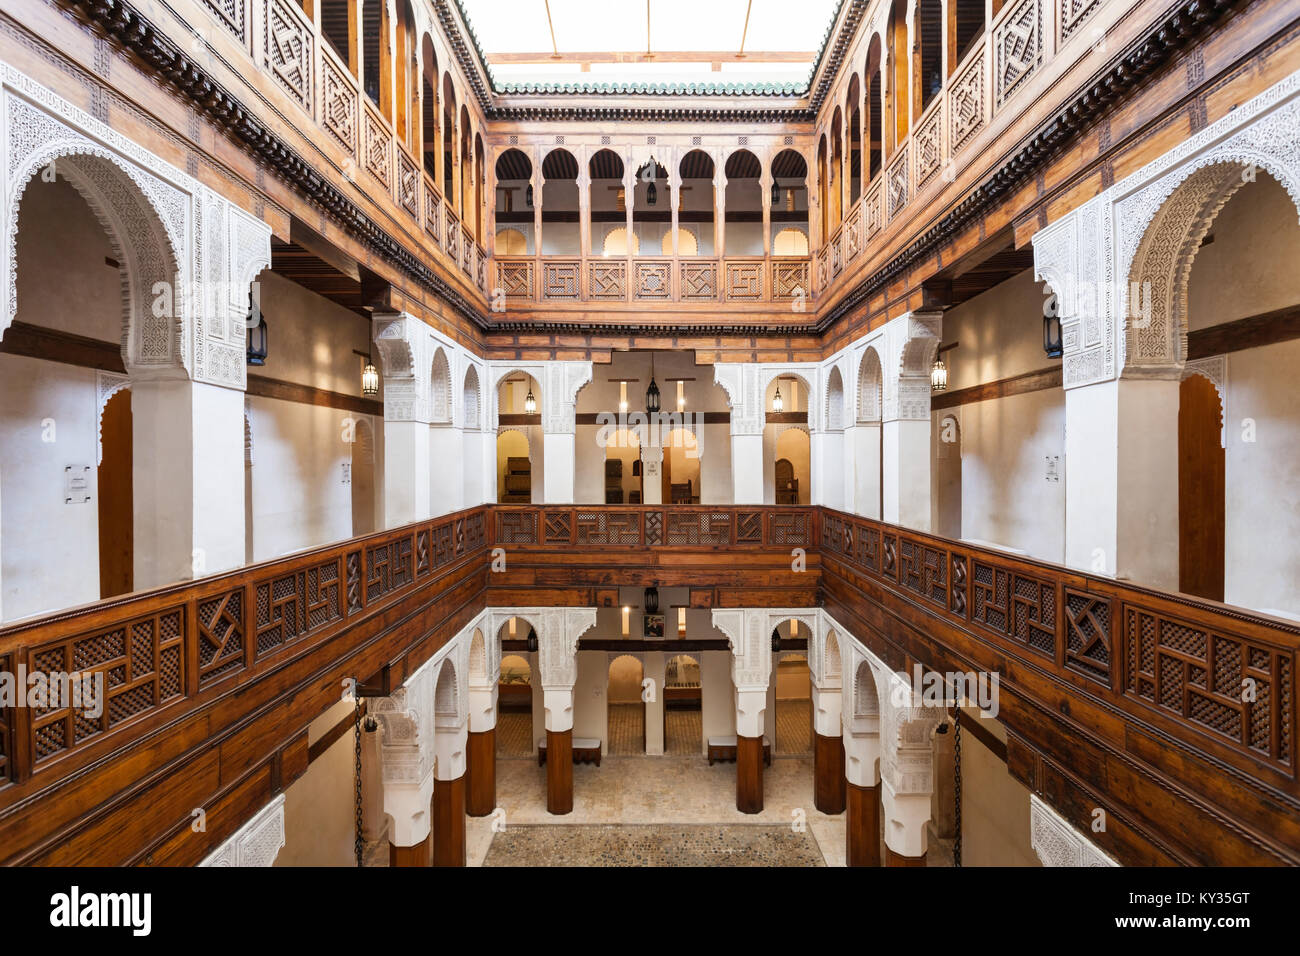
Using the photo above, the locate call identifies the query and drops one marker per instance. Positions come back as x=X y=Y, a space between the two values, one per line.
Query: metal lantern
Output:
x=777 y=404
x=651 y=194
x=532 y=641
x=528 y=196
x=257 y=339
x=530 y=403
x=652 y=600
x=1052 y=328
x=776 y=194
x=652 y=393
x=369 y=379
x=938 y=376
x=776 y=640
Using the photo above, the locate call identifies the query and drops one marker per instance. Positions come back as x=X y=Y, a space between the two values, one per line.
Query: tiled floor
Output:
x=626 y=729
x=794 y=726
x=515 y=734
x=683 y=732
x=653 y=844
x=681 y=790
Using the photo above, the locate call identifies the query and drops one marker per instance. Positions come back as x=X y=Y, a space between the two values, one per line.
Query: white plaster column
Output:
x=447 y=458
x=189 y=515
x=401 y=343
x=558 y=630
x=906 y=767
x=1121 y=501
x=744 y=391
x=652 y=462
x=407 y=749
x=912 y=341
x=653 y=667
x=257 y=843
x=560 y=389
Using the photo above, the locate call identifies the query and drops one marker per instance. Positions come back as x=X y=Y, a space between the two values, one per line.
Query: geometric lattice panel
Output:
x=139 y=664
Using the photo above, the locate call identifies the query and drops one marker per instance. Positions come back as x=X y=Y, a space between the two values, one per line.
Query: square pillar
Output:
x=189 y=515
x=406 y=472
x=447 y=461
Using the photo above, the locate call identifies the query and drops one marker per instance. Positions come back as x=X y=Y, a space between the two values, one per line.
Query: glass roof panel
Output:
x=684 y=41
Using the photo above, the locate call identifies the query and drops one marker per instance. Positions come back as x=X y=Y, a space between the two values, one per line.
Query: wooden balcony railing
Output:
x=650 y=526
x=1217 y=678
x=654 y=279
x=195 y=662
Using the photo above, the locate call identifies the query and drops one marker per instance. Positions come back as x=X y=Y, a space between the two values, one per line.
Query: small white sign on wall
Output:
x=76 y=484
x=1053 y=468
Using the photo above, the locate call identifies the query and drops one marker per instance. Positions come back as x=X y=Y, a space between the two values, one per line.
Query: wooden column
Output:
x=863 y=825
x=481 y=757
x=895 y=859
x=749 y=774
x=449 y=822
x=559 y=771
x=828 y=774
x=418 y=855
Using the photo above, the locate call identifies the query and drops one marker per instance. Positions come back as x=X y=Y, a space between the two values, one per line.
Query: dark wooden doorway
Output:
x=116 y=504
x=1201 y=489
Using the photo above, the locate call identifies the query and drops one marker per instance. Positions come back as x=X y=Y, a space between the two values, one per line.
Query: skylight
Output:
x=554 y=42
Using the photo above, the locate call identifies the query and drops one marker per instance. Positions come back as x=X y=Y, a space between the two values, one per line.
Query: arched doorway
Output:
x=792 y=692
x=561 y=231
x=651 y=208
x=787 y=446
x=743 y=235
x=790 y=211
x=116 y=506
x=683 y=706
x=515 y=707
x=607 y=204
x=514 y=208
x=624 y=707
x=696 y=208
x=519 y=439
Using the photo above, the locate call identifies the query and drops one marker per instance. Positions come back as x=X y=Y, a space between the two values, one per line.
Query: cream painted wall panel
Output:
x=319 y=807
x=717 y=694
x=999 y=333
x=1005 y=495
x=994 y=807
x=1262 y=519
x=50 y=550
x=300 y=498
x=589 y=697
x=310 y=338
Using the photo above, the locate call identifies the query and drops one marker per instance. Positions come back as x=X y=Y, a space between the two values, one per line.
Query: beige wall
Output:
x=994 y=806
x=319 y=807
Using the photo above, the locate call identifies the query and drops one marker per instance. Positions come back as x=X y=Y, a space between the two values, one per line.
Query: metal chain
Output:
x=956 y=780
x=360 y=845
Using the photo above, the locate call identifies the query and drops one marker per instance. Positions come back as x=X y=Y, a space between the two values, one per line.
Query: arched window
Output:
x=651 y=208
x=696 y=208
x=479 y=176
x=514 y=215
x=896 y=33
x=407 y=71
x=616 y=243
x=967 y=24
x=338 y=25
x=450 y=191
x=929 y=59
x=835 y=169
x=466 y=171
x=821 y=189
x=608 y=202
x=429 y=109
x=375 y=52
x=790 y=211
x=875 y=109
x=744 y=206
x=854 y=110
x=561 y=234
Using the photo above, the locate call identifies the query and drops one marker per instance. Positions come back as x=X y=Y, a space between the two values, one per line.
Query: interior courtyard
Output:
x=499 y=433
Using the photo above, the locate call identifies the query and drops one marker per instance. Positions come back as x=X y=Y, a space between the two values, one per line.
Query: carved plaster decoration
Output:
x=749 y=635
x=440 y=388
x=911 y=343
x=179 y=244
x=407 y=719
x=400 y=340
x=257 y=843
x=560 y=390
x=472 y=397
x=870 y=382
x=1119 y=264
x=1057 y=843
x=108 y=384
x=809 y=377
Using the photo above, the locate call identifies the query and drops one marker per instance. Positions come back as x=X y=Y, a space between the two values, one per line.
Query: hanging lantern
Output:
x=651 y=194
x=532 y=641
x=530 y=403
x=369 y=378
x=776 y=194
x=1052 y=328
x=652 y=393
x=938 y=376
x=257 y=342
x=776 y=640
x=777 y=404
x=528 y=196
x=652 y=600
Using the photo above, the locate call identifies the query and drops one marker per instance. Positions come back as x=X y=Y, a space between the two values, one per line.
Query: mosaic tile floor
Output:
x=514 y=735
x=794 y=726
x=683 y=732
x=653 y=845
x=626 y=729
